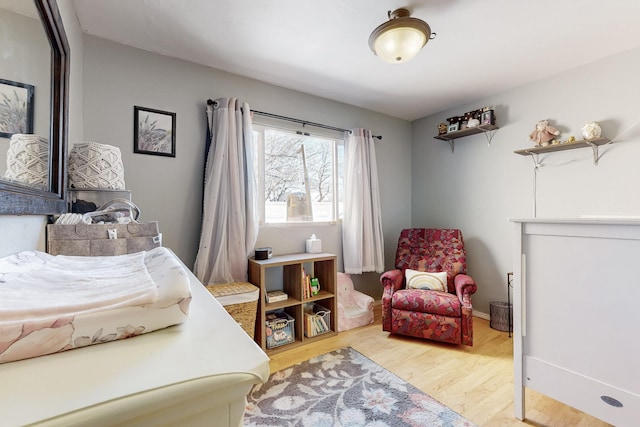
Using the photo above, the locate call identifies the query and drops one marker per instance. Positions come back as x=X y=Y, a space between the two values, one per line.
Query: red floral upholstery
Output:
x=441 y=316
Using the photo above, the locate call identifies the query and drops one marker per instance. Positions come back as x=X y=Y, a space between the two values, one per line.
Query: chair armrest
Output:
x=465 y=287
x=392 y=280
x=361 y=300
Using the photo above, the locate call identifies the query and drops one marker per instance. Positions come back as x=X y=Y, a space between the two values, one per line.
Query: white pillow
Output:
x=426 y=280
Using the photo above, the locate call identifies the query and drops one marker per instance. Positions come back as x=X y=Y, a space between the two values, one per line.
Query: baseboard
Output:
x=481 y=315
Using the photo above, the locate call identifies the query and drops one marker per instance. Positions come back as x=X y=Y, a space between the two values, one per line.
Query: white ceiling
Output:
x=321 y=46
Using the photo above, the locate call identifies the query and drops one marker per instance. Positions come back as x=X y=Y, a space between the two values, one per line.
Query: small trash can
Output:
x=501 y=316
x=240 y=299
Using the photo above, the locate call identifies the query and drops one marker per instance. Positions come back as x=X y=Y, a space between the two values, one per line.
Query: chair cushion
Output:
x=432 y=302
x=424 y=325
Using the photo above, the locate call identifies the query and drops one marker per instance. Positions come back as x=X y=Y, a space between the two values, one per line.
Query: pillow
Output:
x=435 y=281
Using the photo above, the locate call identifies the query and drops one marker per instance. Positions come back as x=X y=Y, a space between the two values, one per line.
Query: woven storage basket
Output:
x=94 y=165
x=28 y=160
x=244 y=312
x=499 y=316
x=93 y=239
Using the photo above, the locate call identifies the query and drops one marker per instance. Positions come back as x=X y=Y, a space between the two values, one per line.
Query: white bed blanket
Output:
x=71 y=285
x=56 y=303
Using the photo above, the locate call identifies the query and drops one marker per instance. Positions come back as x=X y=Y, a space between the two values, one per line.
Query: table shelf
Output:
x=322 y=266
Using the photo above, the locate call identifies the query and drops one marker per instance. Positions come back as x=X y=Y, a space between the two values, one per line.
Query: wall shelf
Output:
x=593 y=143
x=486 y=129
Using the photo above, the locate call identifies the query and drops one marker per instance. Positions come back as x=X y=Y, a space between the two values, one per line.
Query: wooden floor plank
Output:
x=476 y=382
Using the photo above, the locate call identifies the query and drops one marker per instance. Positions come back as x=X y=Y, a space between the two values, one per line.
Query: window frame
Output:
x=338 y=140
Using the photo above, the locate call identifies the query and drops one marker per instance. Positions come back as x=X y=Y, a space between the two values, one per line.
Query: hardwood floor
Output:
x=476 y=382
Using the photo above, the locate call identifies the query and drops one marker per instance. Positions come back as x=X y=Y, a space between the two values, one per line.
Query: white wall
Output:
x=28 y=232
x=169 y=190
x=478 y=187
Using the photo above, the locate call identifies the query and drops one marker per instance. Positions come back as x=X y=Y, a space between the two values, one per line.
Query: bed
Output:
x=52 y=303
x=194 y=373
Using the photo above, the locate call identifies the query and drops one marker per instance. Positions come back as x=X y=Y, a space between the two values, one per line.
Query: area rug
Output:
x=344 y=388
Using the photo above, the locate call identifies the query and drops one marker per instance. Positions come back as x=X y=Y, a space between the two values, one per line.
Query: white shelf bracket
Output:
x=536 y=160
x=452 y=144
x=489 y=136
x=594 y=148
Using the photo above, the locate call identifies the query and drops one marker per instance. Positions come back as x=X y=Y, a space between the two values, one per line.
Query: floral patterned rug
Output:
x=344 y=388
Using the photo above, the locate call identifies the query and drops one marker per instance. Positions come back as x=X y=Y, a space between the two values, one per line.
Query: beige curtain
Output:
x=230 y=215
x=362 y=239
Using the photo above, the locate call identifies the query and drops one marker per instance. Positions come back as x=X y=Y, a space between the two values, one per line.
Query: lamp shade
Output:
x=401 y=38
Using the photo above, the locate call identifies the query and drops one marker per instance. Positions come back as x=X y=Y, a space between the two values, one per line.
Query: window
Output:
x=297 y=175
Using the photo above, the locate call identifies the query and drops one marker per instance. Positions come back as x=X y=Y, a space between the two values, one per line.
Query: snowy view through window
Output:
x=298 y=176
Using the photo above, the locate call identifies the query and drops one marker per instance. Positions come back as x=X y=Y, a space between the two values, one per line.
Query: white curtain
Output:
x=362 y=240
x=230 y=215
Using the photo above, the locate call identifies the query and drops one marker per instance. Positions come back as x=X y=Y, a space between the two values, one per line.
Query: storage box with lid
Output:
x=240 y=299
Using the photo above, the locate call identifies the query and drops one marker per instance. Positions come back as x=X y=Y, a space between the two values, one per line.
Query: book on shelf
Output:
x=315 y=324
x=306 y=285
x=275 y=296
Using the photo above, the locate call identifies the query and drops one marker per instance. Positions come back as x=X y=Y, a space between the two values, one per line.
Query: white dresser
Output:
x=193 y=374
x=576 y=315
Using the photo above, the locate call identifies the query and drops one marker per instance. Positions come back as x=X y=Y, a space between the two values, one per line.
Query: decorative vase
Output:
x=473 y=123
x=591 y=130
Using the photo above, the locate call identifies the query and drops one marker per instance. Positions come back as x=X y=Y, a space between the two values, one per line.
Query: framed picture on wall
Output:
x=487 y=118
x=154 y=132
x=16 y=108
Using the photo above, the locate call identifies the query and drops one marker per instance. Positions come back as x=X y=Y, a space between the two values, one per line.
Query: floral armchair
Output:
x=426 y=313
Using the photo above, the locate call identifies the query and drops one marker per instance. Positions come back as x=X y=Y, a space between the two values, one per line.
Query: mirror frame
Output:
x=16 y=199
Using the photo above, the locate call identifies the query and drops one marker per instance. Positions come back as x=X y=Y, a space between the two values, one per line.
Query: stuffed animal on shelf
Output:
x=591 y=130
x=543 y=133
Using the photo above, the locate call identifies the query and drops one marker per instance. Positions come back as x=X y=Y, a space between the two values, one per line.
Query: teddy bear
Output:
x=543 y=133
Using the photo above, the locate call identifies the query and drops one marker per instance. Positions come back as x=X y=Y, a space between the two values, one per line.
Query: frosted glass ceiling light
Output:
x=400 y=38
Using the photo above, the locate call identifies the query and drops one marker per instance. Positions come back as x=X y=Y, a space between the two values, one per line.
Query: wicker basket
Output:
x=240 y=299
x=28 y=160
x=499 y=316
x=94 y=165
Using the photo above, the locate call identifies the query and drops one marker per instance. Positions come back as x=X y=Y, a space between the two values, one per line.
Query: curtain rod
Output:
x=300 y=121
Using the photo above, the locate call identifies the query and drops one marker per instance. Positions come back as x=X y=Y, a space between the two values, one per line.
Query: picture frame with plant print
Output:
x=16 y=108
x=154 y=132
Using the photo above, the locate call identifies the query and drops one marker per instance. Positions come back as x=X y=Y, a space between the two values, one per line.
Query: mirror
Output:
x=32 y=68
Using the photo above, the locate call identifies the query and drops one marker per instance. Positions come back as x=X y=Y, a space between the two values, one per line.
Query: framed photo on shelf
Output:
x=487 y=118
x=453 y=127
x=154 y=132
x=16 y=108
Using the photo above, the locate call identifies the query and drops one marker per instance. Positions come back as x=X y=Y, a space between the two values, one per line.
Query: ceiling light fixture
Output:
x=400 y=38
